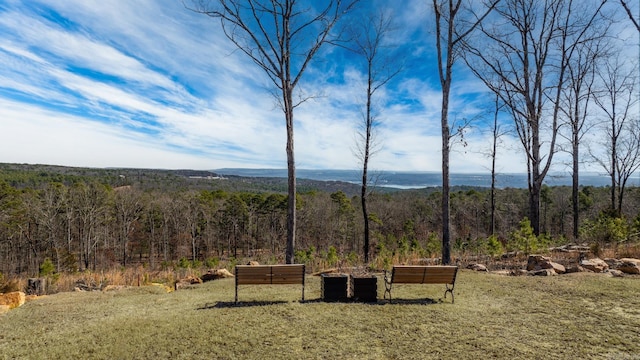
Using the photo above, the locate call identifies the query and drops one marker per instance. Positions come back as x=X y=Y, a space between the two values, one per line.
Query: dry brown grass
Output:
x=591 y=316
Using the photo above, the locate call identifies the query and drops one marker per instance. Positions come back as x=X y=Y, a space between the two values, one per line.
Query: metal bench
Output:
x=269 y=275
x=413 y=274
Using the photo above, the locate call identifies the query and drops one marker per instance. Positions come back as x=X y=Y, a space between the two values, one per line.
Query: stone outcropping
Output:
x=596 y=265
x=629 y=266
x=216 y=274
x=539 y=262
x=477 y=267
x=13 y=299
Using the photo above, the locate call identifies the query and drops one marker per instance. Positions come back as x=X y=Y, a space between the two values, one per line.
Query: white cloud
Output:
x=162 y=87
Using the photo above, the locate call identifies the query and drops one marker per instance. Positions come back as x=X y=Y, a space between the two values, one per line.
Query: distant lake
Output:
x=416 y=180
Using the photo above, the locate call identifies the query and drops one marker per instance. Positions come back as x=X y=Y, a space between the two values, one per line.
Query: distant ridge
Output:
x=419 y=179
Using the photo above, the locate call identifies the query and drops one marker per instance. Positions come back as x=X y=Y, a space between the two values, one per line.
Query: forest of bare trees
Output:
x=560 y=84
x=91 y=225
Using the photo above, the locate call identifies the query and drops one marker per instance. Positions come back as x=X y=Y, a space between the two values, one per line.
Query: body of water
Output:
x=416 y=180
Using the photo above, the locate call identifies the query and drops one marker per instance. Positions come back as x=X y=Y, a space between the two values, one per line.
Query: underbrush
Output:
x=167 y=273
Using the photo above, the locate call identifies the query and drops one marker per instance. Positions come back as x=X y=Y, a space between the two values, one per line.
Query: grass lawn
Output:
x=560 y=317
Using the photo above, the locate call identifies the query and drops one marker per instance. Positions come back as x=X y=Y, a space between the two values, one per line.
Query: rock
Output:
x=193 y=280
x=253 y=263
x=596 y=265
x=558 y=268
x=477 y=267
x=4 y=309
x=613 y=263
x=216 y=274
x=186 y=282
x=13 y=299
x=629 y=266
x=571 y=249
x=539 y=262
x=543 y=272
x=325 y=271
x=616 y=273
x=575 y=268
x=637 y=261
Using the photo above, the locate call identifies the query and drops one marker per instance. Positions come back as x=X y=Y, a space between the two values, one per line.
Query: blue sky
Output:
x=149 y=84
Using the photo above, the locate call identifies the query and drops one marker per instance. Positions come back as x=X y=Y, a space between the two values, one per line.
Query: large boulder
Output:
x=539 y=262
x=613 y=263
x=616 y=273
x=629 y=266
x=216 y=274
x=186 y=282
x=13 y=299
x=477 y=267
x=596 y=265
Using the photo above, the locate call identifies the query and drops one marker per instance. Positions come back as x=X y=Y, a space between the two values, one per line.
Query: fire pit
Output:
x=364 y=288
x=334 y=287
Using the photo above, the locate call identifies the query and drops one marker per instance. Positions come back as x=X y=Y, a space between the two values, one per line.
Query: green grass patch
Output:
x=569 y=316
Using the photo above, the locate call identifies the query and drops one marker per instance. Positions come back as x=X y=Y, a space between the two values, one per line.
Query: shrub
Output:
x=47 y=267
x=305 y=256
x=212 y=262
x=352 y=258
x=524 y=239
x=434 y=245
x=494 y=246
x=332 y=256
x=184 y=263
x=606 y=228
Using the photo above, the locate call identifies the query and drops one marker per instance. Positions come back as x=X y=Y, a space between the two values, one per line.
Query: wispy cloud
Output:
x=151 y=84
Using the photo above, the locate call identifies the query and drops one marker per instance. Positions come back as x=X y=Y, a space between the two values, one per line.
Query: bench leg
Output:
x=387 y=286
x=449 y=290
x=236 y=281
x=304 y=271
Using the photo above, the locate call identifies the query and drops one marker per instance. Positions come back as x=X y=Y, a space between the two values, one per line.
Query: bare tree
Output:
x=371 y=35
x=523 y=58
x=280 y=37
x=496 y=133
x=622 y=142
x=575 y=102
x=633 y=19
x=451 y=31
x=127 y=209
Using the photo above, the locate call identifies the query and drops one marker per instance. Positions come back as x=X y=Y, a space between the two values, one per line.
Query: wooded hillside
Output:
x=100 y=218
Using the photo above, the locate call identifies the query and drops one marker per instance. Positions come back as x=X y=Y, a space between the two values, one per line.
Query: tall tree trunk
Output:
x=446 y=212
x=367 y=146
x=494 y=153
x=575 y=185
x=291 y=175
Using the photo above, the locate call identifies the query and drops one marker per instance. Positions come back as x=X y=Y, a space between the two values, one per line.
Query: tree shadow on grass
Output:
x=239 y=304
x=427 y=301
x=242 y=304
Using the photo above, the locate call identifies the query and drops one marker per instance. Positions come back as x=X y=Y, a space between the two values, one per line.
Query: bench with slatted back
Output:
x=270 y=275
x=414 y=274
